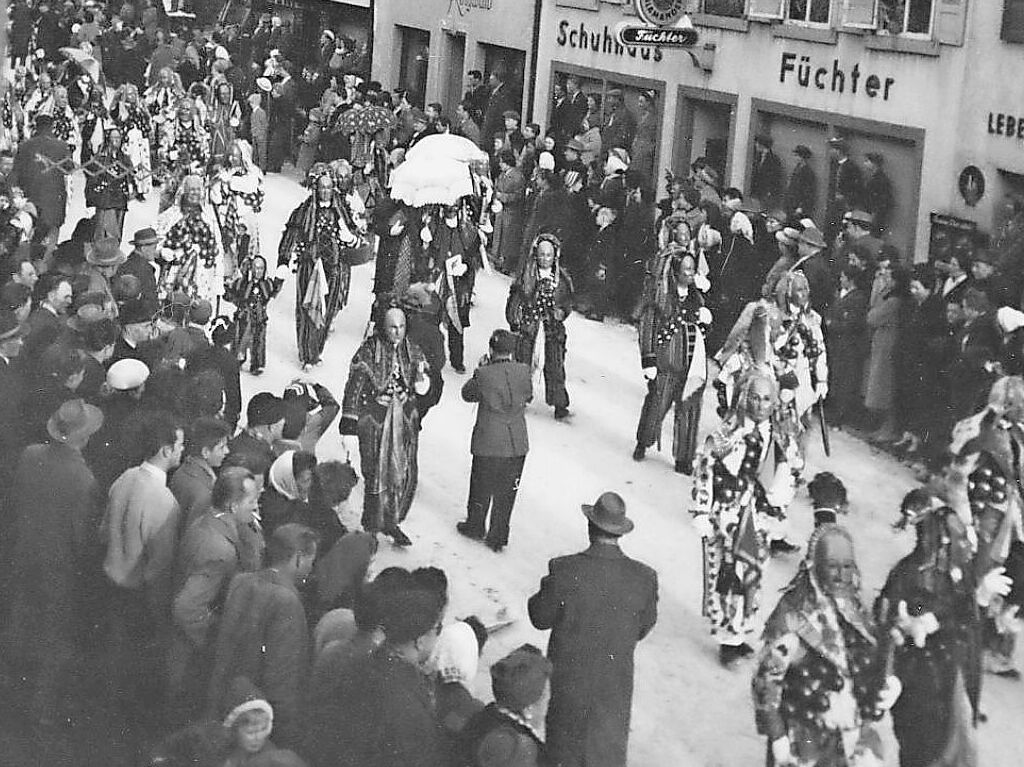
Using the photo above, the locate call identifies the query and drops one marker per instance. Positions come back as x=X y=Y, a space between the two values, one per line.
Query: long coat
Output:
x=802 y=190
x=848 y=343
x=46 y=188
x=598 y=604
x=55 y=509
x=885 y=321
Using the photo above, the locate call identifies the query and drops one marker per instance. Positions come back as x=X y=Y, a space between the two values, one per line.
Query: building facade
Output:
x=886 y=75
x=428 y=46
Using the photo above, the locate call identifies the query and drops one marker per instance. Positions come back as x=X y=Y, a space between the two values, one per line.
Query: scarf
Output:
x=282 y=476
x=456 y=654
x=314 y=299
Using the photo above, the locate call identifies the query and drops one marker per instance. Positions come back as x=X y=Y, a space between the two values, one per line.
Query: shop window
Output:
x=906 y=17
x=809 y=11
x=733 y=8
x=1013 y=21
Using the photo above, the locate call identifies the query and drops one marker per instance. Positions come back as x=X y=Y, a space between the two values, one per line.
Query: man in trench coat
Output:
x=598 y=604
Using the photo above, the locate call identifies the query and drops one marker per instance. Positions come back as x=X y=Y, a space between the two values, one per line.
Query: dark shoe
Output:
x=465 y=529
x=561 y=413
x=460 y=369
x=638 y=452
x=496 y=547
x=399 y=538
x=782 y=546
x=1010 y=673
x=256 y=371
x=728 y=655
x=684 y=467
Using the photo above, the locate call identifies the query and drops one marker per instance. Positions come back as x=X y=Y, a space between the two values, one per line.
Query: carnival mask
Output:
x=834 y=567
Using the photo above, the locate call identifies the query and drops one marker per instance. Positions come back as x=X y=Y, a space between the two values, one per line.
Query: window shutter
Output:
x=950 y=18
x=586 y=5
x=859 y=13
x=1013 y=21
x=765 y=9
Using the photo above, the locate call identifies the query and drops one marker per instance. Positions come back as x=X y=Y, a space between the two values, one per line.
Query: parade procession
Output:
x=511 y=383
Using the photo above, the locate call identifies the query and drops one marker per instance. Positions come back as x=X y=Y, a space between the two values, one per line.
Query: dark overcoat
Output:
x=598 y=604
x=503 y=390
x=45 y=187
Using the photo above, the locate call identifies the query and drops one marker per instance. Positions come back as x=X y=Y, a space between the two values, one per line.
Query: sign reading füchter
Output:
x=670 y=37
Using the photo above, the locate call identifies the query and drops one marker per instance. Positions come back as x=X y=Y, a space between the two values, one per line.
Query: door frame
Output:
x=682 y=144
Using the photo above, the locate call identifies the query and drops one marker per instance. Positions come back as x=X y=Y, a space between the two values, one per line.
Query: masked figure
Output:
x=313 y=240
x=388 y=373
x=821 y=683
x=930 y=601
x=130 y=115
x=743 y=481
x=237 y=196
x=455 y=251
x=251 y=293
x=184 y=147
x=538 y=304
x=673 y=323
x=191 y=244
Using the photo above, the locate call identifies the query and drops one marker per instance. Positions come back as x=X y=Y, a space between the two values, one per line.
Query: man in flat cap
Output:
x=598 y=604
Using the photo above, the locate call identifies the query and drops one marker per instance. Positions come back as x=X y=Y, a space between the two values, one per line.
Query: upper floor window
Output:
x=1013 y=21
x=809 y=11
x=906 y=17
x=734 y=8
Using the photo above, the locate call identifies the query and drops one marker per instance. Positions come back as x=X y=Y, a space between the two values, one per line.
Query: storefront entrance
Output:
x=705 y=127
x=415 y=57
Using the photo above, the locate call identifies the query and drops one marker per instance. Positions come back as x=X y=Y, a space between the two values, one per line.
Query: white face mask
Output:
x=452 y=222
x=396 y=229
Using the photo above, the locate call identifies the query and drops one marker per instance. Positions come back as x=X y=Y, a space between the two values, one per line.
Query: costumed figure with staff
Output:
x=224 y=115
x=822 y=681
x=744 y=479
x=455 y=255
x=673 y=326
x=316 y=239
x=191 y=248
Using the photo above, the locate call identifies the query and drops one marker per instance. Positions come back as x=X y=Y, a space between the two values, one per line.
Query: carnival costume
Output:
x=456 y=256
x=136 y=126
x=191 y=244
x=237 y=196
x=251 y=292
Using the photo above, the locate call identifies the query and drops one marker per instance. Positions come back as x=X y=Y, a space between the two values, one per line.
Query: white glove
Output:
x=821 y=391
x=422 y=386
x=782 y=752
x=702 y=524
x=704 y=316
x=459 y=268
x=1007 y=621
x=496 y=206
x=890 y=692
x=283 y=272
x=650 y=373
x=702 y=283
x=350 y=444
x=425 y=235
x=995 y=583
x=917 y=628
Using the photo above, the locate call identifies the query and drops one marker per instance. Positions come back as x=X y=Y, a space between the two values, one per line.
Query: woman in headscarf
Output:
x=388 y=374
x=130 y=115
x=286 y=498
x=313 y=240
x=237 y=196
x=191 y=243
x=224 y=115
x=109 y=190
x=930 y=598
x=821 y=682
x=538 y=304
x=455 y=662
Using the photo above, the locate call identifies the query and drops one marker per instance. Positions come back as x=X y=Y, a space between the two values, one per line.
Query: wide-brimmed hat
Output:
x=575 y=145
x=812 y=236
x=264 y=84
x=73 y=420
x=147 y=236
x=106 y=252
x=609 y=514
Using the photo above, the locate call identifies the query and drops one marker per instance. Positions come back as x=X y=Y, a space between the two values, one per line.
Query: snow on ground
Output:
x=687 y=710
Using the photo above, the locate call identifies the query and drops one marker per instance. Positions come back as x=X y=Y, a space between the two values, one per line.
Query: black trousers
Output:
x=493 y=484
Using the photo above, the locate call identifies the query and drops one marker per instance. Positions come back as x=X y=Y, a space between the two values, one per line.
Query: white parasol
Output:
x=86 y=61
x=426 y=180
x=447 y=146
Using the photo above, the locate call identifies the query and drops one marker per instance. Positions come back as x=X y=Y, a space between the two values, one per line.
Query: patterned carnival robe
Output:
x=538 y=304
x=672 y=337
x=743 y=482
x=456 y=257
x=162 y=103
x=237 y=196
x=314 y=237
x=192 y=250
x=136 y=127
x=995 y=489
x=251 y=297
x=381 y=396
x=817 y=678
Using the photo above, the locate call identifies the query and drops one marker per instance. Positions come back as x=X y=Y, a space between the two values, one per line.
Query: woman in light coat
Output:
x=886 y=318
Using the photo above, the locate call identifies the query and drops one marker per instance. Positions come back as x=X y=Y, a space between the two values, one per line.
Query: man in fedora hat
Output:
x=802 y=190
x=845 y=184
x=878 y=197
x=811 y=260
x=54 y=505
x=102 y=259
x=141 y=262
x=598 y=604
x=766 y=176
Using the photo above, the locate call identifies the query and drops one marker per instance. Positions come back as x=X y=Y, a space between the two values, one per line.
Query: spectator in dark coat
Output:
x=218 y=357
x=206 y=446
x=504 y=388
x=56 y=507
x=989 y=280
x=46 y=322
x=878 y=199
x=49 y=35
x=846 y=333
x=918 y=385
x=802 y=190
x=811 y=260
x=263 y=633
x=977 y=345
x=766 y=175
x=380 y=713
x=500 y=100
x=141 y=263
x=423 y=325
x=598 y=605
x=619 y=128
x=45 y=188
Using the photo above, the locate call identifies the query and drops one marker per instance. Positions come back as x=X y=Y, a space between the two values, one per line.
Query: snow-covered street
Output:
x=687 y=709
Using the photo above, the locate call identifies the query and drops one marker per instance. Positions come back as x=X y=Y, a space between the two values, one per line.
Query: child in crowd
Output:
x=250 y=721
x=251 y=293
x=828 y=495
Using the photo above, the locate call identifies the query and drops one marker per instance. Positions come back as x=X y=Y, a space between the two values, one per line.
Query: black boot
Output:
x=399 y=538
x=639 y=452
